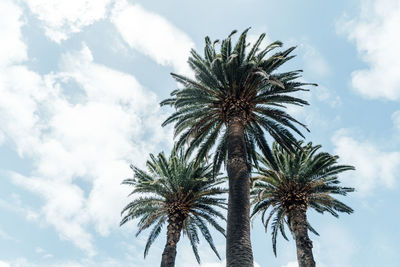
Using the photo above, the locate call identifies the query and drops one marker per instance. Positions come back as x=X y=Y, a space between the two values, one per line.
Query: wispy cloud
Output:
x=4 y=235
x=375 y=167
x=376 y=35
x=94 y=138
x=153 y=35
x=62 y=18
x=82 y=125
x=13 y=49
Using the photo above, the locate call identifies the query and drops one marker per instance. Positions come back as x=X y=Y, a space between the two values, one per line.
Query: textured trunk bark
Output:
x=238 y=244
x=173 y=235
x=304 y=245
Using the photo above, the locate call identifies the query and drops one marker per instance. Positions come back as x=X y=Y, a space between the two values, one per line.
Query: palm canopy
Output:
x=175 y=189
x=303 y=179
x=235 y=82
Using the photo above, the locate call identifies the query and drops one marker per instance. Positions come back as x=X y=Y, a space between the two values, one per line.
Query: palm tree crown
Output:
x=297 y=181
x=177 y=192
x=235 y=84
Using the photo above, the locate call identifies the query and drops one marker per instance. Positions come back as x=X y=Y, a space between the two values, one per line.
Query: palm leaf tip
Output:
x=232 y=33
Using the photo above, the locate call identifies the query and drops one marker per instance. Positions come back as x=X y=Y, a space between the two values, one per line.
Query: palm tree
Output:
x=180 y=193
x=236 y=95
x=291 y=183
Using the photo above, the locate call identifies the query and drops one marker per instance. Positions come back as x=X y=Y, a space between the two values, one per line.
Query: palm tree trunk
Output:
x=298 y=222
x=238 y=244
x=173 y=235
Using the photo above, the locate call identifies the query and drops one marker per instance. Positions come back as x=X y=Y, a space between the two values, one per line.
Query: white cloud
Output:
x=64 y=208
x=13 y=77
x=13 y=48
x=21 y=91
x=4 y=264
x=62 y=18
x=94 y=139
x=375 y=33
x=374 y=167
x=153 y=35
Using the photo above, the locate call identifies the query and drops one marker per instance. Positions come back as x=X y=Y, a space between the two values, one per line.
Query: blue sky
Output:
x=80 y=83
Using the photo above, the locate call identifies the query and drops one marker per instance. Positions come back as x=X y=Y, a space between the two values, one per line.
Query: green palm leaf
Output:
x=304 y=172
x=176 y=188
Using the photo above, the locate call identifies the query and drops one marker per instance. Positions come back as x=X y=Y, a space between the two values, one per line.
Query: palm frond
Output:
x=304 y=172
x=176 y=187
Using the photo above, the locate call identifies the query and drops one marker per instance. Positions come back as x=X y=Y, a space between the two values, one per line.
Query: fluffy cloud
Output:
x=374 y=167
x=152 y=35
x=143 y=30
x=13 y=48
x=375 y=33
x=64 y=208
x=89 y=131
x=82 y=125
x=14 y=77
x=62 y=18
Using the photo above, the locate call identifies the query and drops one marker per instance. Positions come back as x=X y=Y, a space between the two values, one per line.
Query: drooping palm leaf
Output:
x=176 y=184
x=287 y=175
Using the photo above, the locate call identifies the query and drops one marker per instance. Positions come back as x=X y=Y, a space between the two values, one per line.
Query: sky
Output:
x=80 y=86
